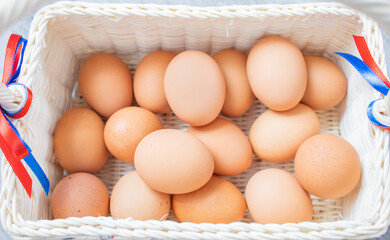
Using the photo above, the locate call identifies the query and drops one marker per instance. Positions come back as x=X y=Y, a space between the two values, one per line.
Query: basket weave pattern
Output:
x=64 y=34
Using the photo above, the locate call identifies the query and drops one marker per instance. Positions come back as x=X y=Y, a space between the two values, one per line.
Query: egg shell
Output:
x=326 y=83
x=149 y=81
x=131 y=197
x=275 y=196
x=195 y=87
x=239 y=95
x=126 y=128
x=80 y=195
x=277 y=73
x=105 y=83
x=78 y=141
x=276 y=136
x=220 y=135
x=173 y=161
x=327 y=166
x=219 y=201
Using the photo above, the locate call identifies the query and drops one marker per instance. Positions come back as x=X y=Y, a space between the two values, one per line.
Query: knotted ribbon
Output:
x=13 y=146
x=371 y=72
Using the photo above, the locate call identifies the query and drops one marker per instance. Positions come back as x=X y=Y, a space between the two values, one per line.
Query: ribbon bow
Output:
x=370 y=71
x=12 y=145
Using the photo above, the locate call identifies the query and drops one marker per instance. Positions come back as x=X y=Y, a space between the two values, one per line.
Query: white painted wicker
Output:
x=62 y=35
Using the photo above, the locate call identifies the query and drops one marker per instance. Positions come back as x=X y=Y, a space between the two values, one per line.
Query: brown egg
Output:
x=277 y=73
x=149 y=81
x=327 y=166
x=220 y=135
x=275 y=196
x=131 y=197
x=276 y=136
x=195 y=87
x=239 y=95
x=219 y=201
x=172 y=161
x=78 y=141
x=105 y=83
x=126 y=128
x=80 y=195
x=326 y=83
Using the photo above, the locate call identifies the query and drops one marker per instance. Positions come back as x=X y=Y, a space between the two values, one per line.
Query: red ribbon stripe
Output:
x=368 y=59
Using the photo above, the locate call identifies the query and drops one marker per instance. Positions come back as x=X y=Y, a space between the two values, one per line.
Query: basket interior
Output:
x=72 y=38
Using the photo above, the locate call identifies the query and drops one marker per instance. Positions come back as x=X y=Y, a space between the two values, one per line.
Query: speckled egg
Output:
x=327 y=166
x=80 y=195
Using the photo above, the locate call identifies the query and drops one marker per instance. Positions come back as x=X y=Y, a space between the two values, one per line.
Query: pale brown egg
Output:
x=326 y=83
x=219 y=201
x=78 y=141
x=80 y=195
x=149 y=81
x=275 y=196
x=239 y=95
x=327 y=166
x=230 y=147
x=172 y=161
x=126 y=128
x=195 y=87
x=131 y=197
x=105 y=83
x=277 y=73
x=276 y=136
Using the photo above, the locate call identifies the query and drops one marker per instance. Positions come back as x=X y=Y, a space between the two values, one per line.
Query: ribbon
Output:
x=13 y=146
x=371 y=72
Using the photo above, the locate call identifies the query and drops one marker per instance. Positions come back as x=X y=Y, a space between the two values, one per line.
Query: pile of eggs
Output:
x=183 y=169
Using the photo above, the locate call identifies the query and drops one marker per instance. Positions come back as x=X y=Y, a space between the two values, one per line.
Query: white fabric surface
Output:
x=16 y=16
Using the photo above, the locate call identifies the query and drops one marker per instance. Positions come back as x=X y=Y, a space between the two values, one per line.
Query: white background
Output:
x=16 y=16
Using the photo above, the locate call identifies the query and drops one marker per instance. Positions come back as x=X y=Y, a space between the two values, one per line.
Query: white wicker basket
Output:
x=62 y=35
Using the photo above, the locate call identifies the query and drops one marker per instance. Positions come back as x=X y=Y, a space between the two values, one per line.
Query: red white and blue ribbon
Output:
x=370 y=71
x=12 y=145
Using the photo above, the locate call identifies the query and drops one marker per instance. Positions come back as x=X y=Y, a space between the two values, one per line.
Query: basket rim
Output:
x=37 y=35
x=201 y=12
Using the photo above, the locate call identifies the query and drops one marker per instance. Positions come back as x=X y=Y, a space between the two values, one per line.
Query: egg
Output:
x=149 y=81
x=239 y=95
x=275 y=196
x=219 y=201
x=105 y=83
x=131 y=197
x=220 y=135
x=78 y=141
x=126 y=128
x=326 y=83
x=174 y=162
x=277 y=73
x=80 y=195
x=276 y=136
x=327 y=166
x=195 y=87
